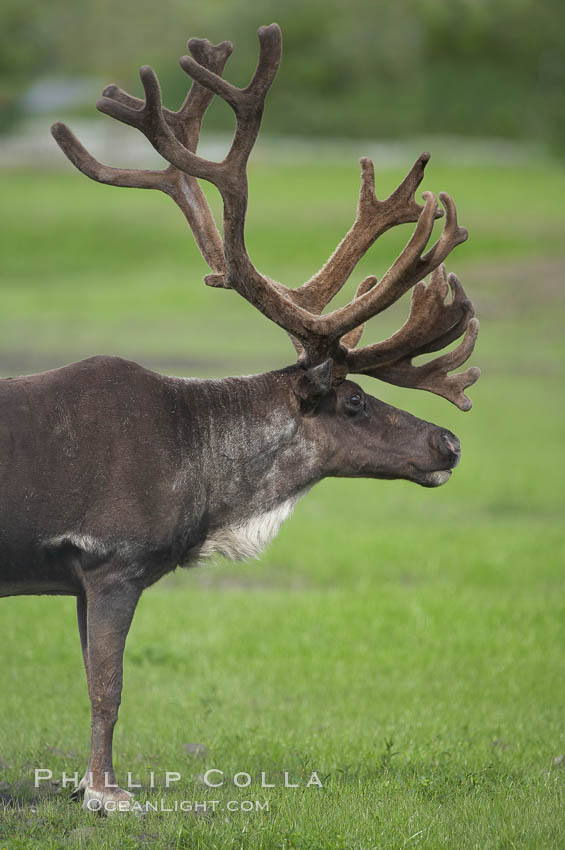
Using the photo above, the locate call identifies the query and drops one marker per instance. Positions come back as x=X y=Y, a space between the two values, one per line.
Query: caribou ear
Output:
x=313 y=384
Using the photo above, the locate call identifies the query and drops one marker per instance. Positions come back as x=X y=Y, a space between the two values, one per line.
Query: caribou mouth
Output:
x=435 y=479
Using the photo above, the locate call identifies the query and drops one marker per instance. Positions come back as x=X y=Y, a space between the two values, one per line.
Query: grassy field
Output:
x=406 y=644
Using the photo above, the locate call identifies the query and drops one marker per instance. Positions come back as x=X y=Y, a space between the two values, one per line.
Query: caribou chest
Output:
x=249 y=537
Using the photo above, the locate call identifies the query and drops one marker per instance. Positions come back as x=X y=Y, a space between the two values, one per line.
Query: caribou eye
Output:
x=354 y=403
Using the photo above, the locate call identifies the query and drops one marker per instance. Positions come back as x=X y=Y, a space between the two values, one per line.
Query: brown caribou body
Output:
x=112 y=475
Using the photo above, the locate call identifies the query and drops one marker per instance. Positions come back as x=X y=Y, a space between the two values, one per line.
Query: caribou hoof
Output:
x=107 y=802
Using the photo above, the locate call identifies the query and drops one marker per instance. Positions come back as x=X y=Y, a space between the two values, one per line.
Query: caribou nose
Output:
x=450 y=448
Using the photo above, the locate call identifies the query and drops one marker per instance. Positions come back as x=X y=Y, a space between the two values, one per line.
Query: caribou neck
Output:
x=257 y=451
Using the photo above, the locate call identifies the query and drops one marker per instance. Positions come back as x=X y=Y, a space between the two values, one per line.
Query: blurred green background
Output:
x=407 y=643
x=385 y=69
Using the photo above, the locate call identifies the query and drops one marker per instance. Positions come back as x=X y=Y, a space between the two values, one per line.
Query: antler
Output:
x=432 y=323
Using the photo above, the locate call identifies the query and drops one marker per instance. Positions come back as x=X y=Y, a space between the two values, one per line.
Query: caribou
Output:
x=114 y=475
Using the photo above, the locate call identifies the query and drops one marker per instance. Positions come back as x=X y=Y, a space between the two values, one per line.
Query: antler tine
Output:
x=433 y=376
x=373 y=218
x=438 y=340
x=91 y=167
x=182 y=188
x=430 y=320
x=116 y=93
x=188 y=119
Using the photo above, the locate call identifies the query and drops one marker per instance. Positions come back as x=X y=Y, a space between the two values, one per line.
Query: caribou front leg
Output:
x=82 y=630
x=109 y=611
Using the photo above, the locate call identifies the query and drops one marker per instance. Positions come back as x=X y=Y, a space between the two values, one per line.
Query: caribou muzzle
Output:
x=446 y=449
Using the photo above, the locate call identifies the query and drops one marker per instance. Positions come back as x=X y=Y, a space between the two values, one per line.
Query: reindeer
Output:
x=112 y=475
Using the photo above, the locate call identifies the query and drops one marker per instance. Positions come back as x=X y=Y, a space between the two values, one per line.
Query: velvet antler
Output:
x=433 y=323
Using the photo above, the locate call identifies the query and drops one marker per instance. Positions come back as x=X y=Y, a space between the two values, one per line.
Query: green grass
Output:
x=407 y=644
